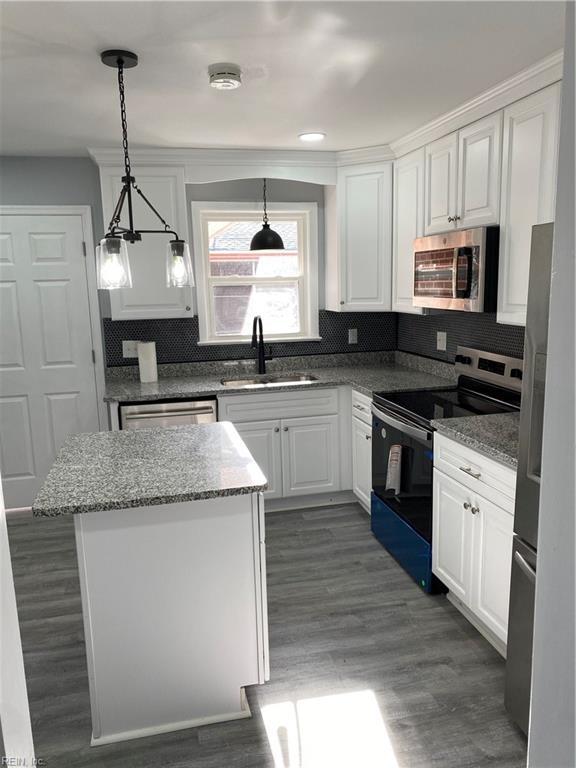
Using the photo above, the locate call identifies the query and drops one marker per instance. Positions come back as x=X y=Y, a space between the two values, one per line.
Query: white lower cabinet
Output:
x=362 y=461
x=299 y=450
x=472 y=551
x=264 y=443
x=452 y=535
x=310 y=455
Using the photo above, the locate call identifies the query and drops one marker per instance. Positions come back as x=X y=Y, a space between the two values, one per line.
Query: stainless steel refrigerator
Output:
x=524 y=553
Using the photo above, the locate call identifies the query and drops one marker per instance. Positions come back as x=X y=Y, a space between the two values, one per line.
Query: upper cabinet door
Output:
x=359 y=247
x=149 y=297
x=529 y=160
x=408 y=225
x=441 y=180
x=479 y=153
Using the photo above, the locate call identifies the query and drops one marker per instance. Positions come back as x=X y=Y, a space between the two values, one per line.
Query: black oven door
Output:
x=402 y=462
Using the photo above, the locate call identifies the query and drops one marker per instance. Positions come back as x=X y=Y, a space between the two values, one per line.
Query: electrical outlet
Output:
x=129 y=349
x=352 y=335
x=441 y=341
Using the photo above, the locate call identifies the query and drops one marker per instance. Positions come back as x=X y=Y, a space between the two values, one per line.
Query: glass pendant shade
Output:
x=266 y=240
x=178 y=265
x=112 y=264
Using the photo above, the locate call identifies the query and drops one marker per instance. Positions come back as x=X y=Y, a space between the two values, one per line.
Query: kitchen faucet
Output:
x=258 y=343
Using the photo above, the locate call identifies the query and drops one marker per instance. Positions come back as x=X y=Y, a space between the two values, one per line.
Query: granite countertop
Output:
x=389 y=377
x=136 y=468
x=496 y=434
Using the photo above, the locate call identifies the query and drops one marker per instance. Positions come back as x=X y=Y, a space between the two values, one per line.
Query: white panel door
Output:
x=310 y=455
x=365 y=213
x=440 y=185
x=149 y=297
x=493 y=533
x=408 y=225
x=362 y=461
x=529 y=160
x=264 y=443
x=452 y=535
x=479 y=155
x=47 y=374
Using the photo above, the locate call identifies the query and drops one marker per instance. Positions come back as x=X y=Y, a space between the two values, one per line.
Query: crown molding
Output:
x=378 y=154
x=539 y=75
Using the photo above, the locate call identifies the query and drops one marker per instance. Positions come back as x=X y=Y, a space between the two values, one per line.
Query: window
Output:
x=234 y=284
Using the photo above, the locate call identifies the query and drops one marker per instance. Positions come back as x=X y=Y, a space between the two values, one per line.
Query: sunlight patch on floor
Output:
x=337 y=731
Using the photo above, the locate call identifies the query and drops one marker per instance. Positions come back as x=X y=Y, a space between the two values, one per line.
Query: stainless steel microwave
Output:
x=457 y=270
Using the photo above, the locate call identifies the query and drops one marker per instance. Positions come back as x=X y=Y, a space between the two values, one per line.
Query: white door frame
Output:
x=85 y=214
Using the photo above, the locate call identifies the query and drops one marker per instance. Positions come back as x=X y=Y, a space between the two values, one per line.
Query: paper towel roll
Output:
x=147 y=361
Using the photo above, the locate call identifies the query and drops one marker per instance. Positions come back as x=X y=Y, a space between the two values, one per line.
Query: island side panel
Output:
x=172 y=613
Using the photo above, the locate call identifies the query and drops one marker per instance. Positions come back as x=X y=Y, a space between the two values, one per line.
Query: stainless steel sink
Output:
x=254 y=382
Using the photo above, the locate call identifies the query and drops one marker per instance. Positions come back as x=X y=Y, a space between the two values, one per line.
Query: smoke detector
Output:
x=225 y=76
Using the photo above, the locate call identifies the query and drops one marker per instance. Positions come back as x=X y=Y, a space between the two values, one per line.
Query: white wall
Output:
x=552 y=716
x=14 y=712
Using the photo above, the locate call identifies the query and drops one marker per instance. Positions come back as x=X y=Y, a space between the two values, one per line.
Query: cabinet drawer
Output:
x=277 y=405
x=479 y=473
x=361 y=407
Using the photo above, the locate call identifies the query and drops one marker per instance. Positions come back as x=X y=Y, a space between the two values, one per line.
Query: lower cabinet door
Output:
x=263 y=441
x=362 y=461
x=310 y=455
x=493 y=533
x=452 y=522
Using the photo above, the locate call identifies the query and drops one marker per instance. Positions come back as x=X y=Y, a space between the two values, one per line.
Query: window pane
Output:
x=230 y=254
x=236 y=305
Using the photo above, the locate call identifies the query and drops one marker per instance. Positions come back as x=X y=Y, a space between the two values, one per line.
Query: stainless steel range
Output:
x=402 y=451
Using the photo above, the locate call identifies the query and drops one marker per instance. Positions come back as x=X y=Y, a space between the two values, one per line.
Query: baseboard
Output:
x=181 y=726
x=478 y=624
x=19 y=512
x=314 y=500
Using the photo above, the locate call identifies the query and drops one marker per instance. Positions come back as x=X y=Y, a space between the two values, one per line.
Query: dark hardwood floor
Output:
x=344 y=618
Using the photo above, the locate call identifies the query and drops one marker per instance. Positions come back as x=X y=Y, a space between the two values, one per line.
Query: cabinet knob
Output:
x=451 y=218
x=187 y=309
x=285 y=429
x=368 y=437
x=475 y=510
x=467 y=505
x=276 y=429
x=457 y=218
x=342 y=302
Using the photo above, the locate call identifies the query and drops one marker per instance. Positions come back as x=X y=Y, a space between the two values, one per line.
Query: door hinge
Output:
x=94 y=357
x=84 y=248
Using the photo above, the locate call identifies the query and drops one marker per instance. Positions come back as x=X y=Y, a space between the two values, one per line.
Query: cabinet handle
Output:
x=451 y=218
x=359 y=407
x=470 y=471
x=457 y=218
x=285 y=429
x=276 y=429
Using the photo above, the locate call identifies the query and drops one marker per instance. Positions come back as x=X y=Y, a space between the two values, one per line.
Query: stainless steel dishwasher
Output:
x=167 y=414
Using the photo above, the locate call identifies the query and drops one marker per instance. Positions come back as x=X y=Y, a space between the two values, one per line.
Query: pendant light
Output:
x=267 y=239
x=113 y=266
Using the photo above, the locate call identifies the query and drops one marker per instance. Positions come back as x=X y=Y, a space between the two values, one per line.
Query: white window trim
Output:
x=201 y=211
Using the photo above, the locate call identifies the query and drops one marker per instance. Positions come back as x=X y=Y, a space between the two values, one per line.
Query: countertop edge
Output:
x=146 y=502
x=475 y=444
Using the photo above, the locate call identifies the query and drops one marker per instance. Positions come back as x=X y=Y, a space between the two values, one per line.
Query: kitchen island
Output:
x=170 y=539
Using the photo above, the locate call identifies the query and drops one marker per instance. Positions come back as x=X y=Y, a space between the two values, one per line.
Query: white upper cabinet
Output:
x=359 y=239
x=529 y=159
x=149 y=297
x=441 y=180
x=479 y=153
x=408 y=224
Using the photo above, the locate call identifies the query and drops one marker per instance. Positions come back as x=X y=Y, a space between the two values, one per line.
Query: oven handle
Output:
x=403 y=426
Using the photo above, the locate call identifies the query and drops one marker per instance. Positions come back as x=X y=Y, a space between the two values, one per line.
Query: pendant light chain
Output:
x=123 y=118
x=264 y=197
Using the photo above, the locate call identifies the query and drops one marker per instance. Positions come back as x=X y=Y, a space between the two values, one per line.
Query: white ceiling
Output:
x=366 y=73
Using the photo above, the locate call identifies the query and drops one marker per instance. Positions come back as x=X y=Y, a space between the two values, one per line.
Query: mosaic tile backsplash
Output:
x=177 y=339
x=417 y=334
